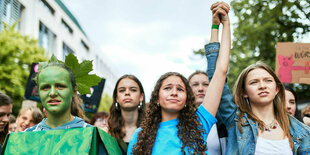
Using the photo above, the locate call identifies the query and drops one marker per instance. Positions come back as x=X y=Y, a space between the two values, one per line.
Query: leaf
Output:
x=72 y=62
x=54 y=59
x=84 y=68
x=85 y=82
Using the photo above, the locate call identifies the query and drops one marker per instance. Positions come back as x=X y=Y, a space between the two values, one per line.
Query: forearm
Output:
x=227 y=108
x=214 y=35
x=223 y=59
x=213 y=95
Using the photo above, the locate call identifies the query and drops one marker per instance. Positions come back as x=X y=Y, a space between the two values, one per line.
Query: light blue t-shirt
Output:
x=77 y=122
x=167 y=140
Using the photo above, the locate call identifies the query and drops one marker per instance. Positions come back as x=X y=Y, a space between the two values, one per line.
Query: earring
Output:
x=140 y=105
x=116 y=106
x=157 y=104
x=248 y=102
x=185 y=106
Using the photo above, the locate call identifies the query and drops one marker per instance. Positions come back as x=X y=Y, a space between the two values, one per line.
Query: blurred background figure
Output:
x=6 y=105
x=199 y=83
x=305 y=113
x=100 y=120
x=291 y=102
x=12 y=123
x=217 y=137
x=28 y=117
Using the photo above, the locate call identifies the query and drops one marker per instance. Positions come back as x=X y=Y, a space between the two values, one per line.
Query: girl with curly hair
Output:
x=127 y=110
x=173 y=124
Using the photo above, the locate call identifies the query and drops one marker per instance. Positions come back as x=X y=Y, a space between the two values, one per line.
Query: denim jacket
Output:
x=244 y=143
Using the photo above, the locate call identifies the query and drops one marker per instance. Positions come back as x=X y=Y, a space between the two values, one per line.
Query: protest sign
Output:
x=292 y=62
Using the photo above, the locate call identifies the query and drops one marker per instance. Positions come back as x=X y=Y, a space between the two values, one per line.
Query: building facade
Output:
x=57 y=31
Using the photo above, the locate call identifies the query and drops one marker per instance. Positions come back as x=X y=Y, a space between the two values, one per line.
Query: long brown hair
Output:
x=190 y=130
x=115 y=119
x=278 y=102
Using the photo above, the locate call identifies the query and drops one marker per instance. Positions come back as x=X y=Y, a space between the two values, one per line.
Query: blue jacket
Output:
x=245 y=142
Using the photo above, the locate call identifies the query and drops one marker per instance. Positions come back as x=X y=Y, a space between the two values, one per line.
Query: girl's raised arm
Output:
x=215 y=89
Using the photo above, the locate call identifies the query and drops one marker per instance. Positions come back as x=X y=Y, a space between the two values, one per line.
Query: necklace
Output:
x=272 y=125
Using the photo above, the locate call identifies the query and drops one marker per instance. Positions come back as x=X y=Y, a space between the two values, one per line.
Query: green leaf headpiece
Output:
x=80 y=71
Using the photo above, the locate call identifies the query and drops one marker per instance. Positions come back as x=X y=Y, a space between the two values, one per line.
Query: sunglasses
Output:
x=307 y=115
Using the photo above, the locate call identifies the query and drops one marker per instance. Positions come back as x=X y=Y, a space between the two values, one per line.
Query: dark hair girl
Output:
x=127 y=110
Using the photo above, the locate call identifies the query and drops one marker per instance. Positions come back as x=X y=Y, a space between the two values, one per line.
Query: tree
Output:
x=260 y=25
x=17 y=53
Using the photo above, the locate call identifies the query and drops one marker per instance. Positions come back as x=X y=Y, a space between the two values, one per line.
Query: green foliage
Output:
x=17 y=53
x=200 y=52
x=80 y=70
x=261 y=24
x=105 y=103
x=83 y=80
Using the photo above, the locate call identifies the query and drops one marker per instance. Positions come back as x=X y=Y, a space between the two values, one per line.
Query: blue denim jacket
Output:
x=245 y=142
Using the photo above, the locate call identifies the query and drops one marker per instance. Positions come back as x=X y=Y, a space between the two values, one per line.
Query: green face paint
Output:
x=55 y=90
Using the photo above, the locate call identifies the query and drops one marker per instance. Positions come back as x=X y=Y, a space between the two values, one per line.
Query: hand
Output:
x=220 y=12
x=306 y=120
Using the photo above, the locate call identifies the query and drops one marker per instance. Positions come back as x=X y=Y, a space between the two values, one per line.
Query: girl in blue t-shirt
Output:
x=172 y=124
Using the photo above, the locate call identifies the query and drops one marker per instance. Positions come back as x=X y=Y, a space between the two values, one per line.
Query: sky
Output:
x=147 y=38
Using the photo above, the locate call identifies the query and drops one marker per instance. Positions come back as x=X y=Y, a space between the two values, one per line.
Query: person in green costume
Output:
x=58 y=92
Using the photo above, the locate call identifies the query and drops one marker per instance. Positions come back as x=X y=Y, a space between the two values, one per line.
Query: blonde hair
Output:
x=36 y=113
x=305 y=110
x=278 y=102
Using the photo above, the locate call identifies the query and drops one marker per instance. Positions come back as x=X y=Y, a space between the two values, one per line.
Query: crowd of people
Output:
x=194 y=115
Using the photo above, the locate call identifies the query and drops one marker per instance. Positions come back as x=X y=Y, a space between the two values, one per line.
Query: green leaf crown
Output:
x=80 y=71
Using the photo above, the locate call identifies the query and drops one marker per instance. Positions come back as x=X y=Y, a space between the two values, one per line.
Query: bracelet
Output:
x=215 y=26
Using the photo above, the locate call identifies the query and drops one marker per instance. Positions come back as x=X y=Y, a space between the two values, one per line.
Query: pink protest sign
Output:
x=292 y=62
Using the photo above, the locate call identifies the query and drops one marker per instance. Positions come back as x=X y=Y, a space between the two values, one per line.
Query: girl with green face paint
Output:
x=56 y=94
x=57 y=89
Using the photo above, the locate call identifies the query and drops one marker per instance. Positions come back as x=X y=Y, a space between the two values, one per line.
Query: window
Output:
x=9 y=11
x=84 y=45
x=46 y=38
x=47 y=6
x=66 y=26
x=66 y=50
